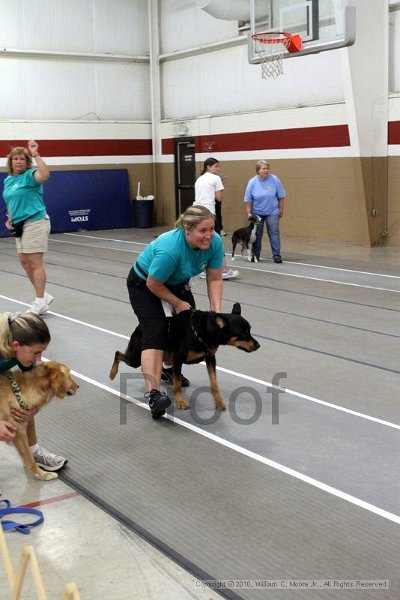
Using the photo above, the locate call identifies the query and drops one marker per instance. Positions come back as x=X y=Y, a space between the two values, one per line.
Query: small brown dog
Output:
x=37 y=387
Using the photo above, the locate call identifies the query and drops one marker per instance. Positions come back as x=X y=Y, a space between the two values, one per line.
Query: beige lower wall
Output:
x=328 y=198
x=393 y=222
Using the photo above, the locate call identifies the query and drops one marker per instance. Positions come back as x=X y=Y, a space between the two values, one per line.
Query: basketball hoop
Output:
x=271 y=47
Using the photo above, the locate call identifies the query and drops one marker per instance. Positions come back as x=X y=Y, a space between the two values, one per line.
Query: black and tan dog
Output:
x=194 y=335
x=245 y=236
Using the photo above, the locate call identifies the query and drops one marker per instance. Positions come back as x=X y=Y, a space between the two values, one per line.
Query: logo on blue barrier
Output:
x=81 y=215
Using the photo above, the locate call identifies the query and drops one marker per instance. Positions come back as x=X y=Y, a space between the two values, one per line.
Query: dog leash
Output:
x=24 y=528
x=17 y=390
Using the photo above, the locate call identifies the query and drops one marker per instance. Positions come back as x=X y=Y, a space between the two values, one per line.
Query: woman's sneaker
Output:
x=230 y=274
x=167 y=376
x=158 y=402
x=48 y=461
x=39 y=306
x=49 y=298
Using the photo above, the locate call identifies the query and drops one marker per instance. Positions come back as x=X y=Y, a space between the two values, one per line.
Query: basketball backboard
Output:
x=322 y=24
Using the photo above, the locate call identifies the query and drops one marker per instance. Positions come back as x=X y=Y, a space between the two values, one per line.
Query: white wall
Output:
x=223 y=82
x=38 y=86
x=57 y=88
x=184 y=25
x=72 y=90
x=114 y=26
x=394 y=51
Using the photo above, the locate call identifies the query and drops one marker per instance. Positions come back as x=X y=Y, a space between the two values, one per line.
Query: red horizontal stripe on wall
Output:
x=329 y=136
x=84 y=147
x=394 y=132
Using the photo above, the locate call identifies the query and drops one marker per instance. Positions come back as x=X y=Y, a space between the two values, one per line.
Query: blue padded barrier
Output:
x=90 y=199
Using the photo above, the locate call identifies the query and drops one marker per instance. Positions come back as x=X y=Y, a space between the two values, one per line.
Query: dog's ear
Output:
x=42 y=376
x=215 y=322
x=220 y=322
x=56 y=378
x=236 y=310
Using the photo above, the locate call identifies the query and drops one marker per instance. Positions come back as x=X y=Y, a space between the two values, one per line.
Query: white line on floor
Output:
x=95 y=237
x=358 y=285
x=236 y=374
x=272 y=272
x=273 y=464
x=95 y=246
x=288 y=262
x=266 y=461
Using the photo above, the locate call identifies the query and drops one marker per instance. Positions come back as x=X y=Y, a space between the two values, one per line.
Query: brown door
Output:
x=185 y=173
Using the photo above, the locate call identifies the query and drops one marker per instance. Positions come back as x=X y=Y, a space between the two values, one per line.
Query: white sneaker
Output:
x=39 y=307
x=203 y=275
x=230 y=274
x=48 y=461
x=49 y=298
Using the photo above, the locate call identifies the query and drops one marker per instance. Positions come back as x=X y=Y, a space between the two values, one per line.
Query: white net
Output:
x=271 y=51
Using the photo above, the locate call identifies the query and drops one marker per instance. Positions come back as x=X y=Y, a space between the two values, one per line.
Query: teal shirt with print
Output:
x=23 y=196
x=171 y=260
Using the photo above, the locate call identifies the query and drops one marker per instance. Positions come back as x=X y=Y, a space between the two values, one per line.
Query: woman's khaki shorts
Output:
x=35 y=237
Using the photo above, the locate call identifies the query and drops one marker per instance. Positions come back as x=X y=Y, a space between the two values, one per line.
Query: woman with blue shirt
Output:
x=158 y=285
x=27 y=216
x=265 y=197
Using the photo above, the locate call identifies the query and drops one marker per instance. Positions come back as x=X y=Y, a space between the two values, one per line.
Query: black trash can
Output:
x=142 y=213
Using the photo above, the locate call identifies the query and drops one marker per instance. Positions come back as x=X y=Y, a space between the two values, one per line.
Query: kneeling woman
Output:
x=23 y=338
x=160 y=277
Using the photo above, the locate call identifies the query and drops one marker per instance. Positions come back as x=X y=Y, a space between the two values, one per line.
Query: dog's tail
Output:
x=117 y=359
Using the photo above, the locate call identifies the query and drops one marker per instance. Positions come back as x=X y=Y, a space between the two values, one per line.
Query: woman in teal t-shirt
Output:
x=27 y=216
x=159 y=277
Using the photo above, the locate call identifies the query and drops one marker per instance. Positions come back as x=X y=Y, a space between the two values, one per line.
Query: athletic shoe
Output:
x=167 y=376
x=48 y=461
x=277 y=259
x=230 y=274
x=158 y=402
x=39 y=307
x=203 y=275
x=49 y=298
x=222 y=232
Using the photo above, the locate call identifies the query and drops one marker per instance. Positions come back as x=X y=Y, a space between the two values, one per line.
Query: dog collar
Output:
x=17 y=391
x=196 y=333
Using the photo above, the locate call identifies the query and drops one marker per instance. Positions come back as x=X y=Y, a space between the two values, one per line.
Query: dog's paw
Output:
x=45 y=475
x=233 y=259
x=250 y=259
x=181 y=404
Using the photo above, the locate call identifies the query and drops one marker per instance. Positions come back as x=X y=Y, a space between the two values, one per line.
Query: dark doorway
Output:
x=185 y=173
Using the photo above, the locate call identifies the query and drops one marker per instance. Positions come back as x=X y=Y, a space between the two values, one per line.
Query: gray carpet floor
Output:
x=222 y=515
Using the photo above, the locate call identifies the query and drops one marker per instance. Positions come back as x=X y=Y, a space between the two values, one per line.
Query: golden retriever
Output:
x=38 y=386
